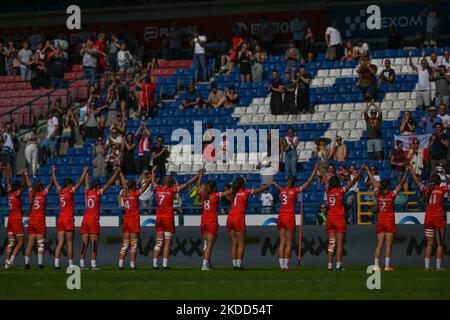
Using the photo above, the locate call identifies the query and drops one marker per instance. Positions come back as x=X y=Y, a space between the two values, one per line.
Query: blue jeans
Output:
x=25 y=73
x=89 y=73
x=50 y=143
x=199 y=62
x=57 y=82
x=290 y=163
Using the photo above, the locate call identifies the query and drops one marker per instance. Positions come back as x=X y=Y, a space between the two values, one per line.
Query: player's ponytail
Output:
x=236 y=186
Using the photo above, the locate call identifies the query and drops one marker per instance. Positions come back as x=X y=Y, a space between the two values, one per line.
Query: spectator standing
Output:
x=367 y=78
x=91 y=128
x=435 y=62
x=321 y=217
x=245 y=67
x=32 y=141
x=49 y=144
x=292 y=57
x=289 y=147
x=429 y=121
x=399 y=162
x=266 y=35
x=25 y=58
x=438 y=147
x=446 y=61
x=99 y=153
x=303 y=83
x=348 y=51
x=124 y=60
x=128 y=163
x=3 y=60
x=68 y=129
x=353 y=191
x=416 y=157
x=276 y=88
x=176 y=35
x=113 y=107
x=333 y=40
x=408 y=125
x=89 y=59
x=442 y=114
x=267 y=202
x=308 y=53
x=147 y=103
x=387 y=75
x=57 y=66
x=266 y=170
x=442 y=85
x=102 y=57
x=298 y=28
x=160 y=154
x=258 y=59
x=215 y=98
x=199 y=60
x=113 y=48
x=192 y=99
x=144 y=157
x=11 y=57
x=146 y=198
x=373 y=123
x=432 y=24
x=289 y=94
x=9 y=146
x=423 y=88
x=339 y=150
x=376 y=176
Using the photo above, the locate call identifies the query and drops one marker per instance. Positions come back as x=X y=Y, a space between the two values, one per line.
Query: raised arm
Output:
x=375 y=184
x=263 y=188
x=81 y=180
x=123 y=181
x=355 y=179
x=414 y=176
x=277 y=186
x=50 y=185
x=311 y=177
x=411 y=63
x=111 y=180
x=402 y=182
x=190 y=181
x=86 y=180
x=58 y=186
x=323 y=175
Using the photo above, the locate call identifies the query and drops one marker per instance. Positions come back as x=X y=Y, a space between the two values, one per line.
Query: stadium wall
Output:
x=262 y=242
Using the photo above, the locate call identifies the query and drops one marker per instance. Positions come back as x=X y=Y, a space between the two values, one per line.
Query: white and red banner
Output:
x=408 y=139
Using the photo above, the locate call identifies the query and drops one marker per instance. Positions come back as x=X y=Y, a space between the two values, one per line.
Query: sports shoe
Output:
x=41 y=267
x=155 y=268
x=341 y=268
x=330 y=268
x=235 y=268
x=133 y=269
x=206 y=269
x=241 y=268
x=6 y=266
x=11 y=265
x=121 y=268
x=440 y=269
x=388 y=269
x=95 y=269
x=84 y=268
x=27 y=266
x=166 y=268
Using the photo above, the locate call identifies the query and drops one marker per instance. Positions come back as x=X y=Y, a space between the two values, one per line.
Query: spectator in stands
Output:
x=146 y=198
x=143 y=136
x=49 y=144
x=298 y=28
x=292 y=57
x=91 y=128
x=321 y=217
x=432 y=24
x=160 y=154
x=430 y=120
x=367 y=78
x=289 y=94
x=399 y=162
x=32 y=142
x=115 y=138
x=374 y=120
x=435 y=62
x=267 y=202
x=276 y=88
x=334 y=42
x=147 y=102
x=124 y=60
x=361 y=49
x=102 y=57
x=322 y=154
x=89 y=59
x=438 y=146
x=408 y=125
x=121 y=92
x=308 y=53
x=11 y=57
x=289 y=147
x=3 y=60
x=62 y=43
x=338 y=151
x=266 y=35
x=113 y=107
x=199 y=59
x=423 y=89
x=230 y=98
x=112 y=161
x=39 y=72
x=192 y=100
x=35 y=38
x=349 y=51
x=442 y=80
x=266 y=169
x=25 y=58
x=226 y=64
x=113 y=48
x=236 y=42
x=99 y=154
x=446 y=61
x=82 y=121
x=9 y=147
x=215 y=98
x=245 y=67
x=258 y=59
x=303 y=83
x=176 y=35
x=416 y=156
x=442 y=114
x=367 y=183
x=128 y=163
x=393 y=38
x=68 y=130
x=57 y=66
x=352 y=193
x=387 y=76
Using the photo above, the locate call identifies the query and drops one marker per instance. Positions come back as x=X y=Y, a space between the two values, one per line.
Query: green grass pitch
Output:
x=306 y=282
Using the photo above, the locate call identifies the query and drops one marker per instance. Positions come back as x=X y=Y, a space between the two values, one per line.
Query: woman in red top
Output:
x=15 y=225
x=165 y=219
x=236 y=219
x=66 y=221
x=36 y=221
x=90 y=226
x=434 y=217
x=131 y=220
x=386 y=216
x=336 y=223
x=286 y=217
x=146 y=103
x=210 y=223
x=101 y=53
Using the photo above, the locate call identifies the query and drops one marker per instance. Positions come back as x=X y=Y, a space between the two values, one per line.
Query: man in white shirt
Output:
x=423 y=88
x=199 y=60
x=432 y=24
x=50 y=141
x=25 y=57
x=446 y=60
x=334 y=40
x=267 y=202
x=442 y=113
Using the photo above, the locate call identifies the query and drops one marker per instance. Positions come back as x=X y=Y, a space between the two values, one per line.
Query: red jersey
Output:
x=164 y=198
x=386 y=203
x=240 y=201
x=148 y=90
x=435 y=203
x=15 y=205
x=131 y=205
x=210 y=206
x=39 y=203
x=66 y=202
x=92 y=199
x=335 y=199
x=288 y=198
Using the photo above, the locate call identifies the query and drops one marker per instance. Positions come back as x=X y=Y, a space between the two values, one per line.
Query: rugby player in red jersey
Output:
x=286 y=216
x=434 y=217
x=131 y=227
x=336 y=223
x=36 y=223
x=15 y=225
x=66 y=221
x=165 y=219
x=209 y=225
x=236 y=219
x=90 y=226
x=386 y=216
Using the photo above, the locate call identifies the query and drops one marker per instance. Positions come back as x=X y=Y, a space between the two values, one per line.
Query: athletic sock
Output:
x=286 y=263
x=330 y=265
x=82 y=265
x=438 y=263
x=377 y=262
x=93 y=263
x=338 y=265
x=387 y=262
x=239 y=263
x=40 y=259
x=165 y=262
x=204 y=245
x=427 y=263
x=120 y=263
x=132 y=264
x=155 y=262
x=281 y=261
x=11 y=259
x=205 y=263
x=70 y=262
x=234 y=262
x=27 y=260
x=57 y=262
